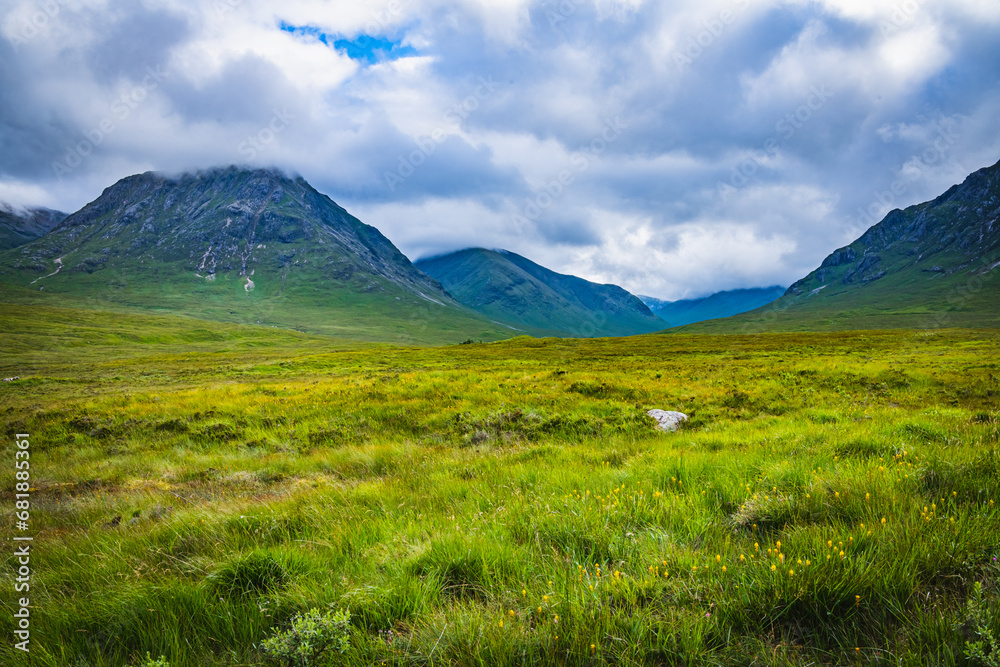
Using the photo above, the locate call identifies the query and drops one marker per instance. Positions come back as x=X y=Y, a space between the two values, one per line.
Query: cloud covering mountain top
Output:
x=672 y=148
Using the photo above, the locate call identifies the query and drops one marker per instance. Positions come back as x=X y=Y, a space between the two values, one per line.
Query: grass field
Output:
x=830 y=501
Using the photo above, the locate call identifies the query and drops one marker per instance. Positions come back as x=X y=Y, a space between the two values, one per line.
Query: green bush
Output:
x=986 y=649
x=310 y=636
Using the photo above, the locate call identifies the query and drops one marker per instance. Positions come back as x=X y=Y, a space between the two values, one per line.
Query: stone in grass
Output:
x=667 y=420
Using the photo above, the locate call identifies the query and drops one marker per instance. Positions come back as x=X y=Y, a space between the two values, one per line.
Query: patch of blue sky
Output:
x=366 y=48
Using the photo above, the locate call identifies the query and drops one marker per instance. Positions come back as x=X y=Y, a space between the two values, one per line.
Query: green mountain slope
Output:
x=936 y=264
x=20 y=227
x=237 y=245
x=714 y=306
x=511 y=289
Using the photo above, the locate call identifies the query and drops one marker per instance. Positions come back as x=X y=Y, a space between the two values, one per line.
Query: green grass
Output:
x=504 y=503
x=309 y=305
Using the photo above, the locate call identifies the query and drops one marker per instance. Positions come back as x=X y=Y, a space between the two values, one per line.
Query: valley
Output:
x=830 y=499
x=499 y=334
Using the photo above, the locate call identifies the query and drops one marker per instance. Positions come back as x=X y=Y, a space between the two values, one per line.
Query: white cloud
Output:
x=436 y=226
x=647 y=212
x=693 y=259
x=20 y=195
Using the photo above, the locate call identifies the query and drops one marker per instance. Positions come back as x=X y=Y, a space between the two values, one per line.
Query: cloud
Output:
x=750 y=138
x=130 y=37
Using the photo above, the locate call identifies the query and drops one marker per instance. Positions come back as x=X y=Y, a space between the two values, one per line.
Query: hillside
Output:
x=20 y=227
x=511 y=289
x=237 y=245
x=931 y=265
x=714 y=306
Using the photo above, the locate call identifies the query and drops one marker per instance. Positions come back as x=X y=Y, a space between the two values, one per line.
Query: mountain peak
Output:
x=233 y=243
x=514 y=290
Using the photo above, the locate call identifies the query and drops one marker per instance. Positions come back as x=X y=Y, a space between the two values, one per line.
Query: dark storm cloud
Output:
x=31 y=131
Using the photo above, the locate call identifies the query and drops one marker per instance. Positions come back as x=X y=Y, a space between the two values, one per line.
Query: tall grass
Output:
x=831 y=500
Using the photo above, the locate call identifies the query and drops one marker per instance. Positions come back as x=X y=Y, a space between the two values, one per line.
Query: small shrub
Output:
x=986 y=649
x=310 y=636
x=158 y=662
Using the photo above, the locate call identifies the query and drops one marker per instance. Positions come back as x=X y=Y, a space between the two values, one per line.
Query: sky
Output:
x=673 y=148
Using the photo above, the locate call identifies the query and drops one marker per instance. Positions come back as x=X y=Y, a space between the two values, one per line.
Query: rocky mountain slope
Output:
x=513 y=290
x=234 y=244
x=935 y=264
x=714 y=306
x=18 y=227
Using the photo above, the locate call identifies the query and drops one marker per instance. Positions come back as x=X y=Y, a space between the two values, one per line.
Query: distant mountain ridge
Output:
x=714 y=306
x=512 y=289
x=242 y=245
x=931 y=265
x=18 y=227
x=257 y=246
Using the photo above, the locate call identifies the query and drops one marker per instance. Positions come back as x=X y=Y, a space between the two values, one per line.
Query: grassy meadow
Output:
x=195 y=485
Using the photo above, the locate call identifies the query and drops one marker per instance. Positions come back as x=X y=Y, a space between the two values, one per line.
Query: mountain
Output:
x=242 y=245
x=515 y=291
x=720 y=304
x=935 y=264
x=20 y=227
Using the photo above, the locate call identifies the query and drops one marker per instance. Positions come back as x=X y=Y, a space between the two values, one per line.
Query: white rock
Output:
x=667 y=420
